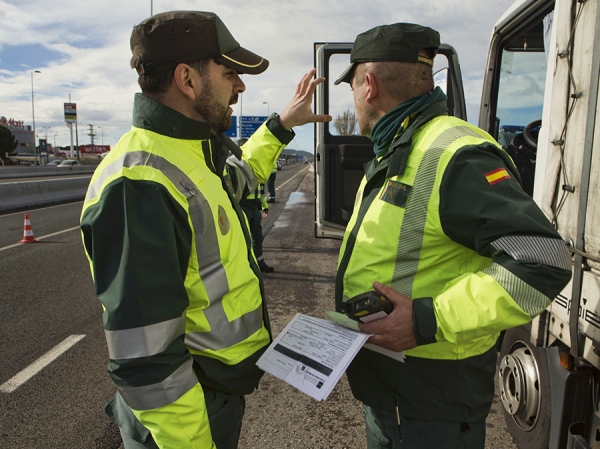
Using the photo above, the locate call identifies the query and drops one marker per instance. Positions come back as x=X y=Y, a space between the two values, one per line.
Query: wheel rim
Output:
x=519 y=386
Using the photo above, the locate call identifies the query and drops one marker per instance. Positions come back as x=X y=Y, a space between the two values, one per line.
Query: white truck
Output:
x=540 y=101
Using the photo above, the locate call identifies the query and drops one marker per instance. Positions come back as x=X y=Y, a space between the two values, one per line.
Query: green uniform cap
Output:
x=399 y=42
x=165 y=40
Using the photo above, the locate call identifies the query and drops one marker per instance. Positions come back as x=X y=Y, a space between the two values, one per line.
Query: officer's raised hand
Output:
x=298 y=112
x=395 y=332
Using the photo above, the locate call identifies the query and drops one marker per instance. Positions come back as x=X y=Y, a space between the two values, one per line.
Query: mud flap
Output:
x=575 y=439
x=571 y=391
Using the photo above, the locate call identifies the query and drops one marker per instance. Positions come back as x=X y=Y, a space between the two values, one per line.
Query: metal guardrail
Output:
x=12 y=172
x=16 y=196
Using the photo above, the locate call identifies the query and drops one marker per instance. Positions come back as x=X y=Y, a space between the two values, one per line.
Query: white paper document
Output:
x=311 y=354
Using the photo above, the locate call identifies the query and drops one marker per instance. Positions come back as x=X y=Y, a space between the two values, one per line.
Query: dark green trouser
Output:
x=225 y=413
x=383 y=433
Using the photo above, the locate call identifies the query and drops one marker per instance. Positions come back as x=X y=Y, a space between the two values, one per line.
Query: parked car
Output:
x=278 y=164
x=54 y=163
x=69 y=163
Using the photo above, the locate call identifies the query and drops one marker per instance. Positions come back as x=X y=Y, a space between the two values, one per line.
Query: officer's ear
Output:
x=372 y=85
x=187 y=80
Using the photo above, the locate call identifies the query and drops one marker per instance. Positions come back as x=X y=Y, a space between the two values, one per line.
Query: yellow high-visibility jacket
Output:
x=442 y=219
x=171 y=259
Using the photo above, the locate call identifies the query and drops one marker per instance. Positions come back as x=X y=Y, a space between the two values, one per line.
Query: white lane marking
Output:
x=23 y=376
x=297 y=174
x=42 y=237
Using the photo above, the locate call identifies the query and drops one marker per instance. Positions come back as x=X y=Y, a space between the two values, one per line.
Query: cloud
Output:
x=82 y=50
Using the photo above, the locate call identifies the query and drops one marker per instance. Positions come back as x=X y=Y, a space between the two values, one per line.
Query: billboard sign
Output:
x=43 y=144
x=232 y=132
x=250 y=124
x=70 y=112
x=95 y=149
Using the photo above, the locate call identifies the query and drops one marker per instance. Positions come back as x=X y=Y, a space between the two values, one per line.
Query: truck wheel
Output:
x=524 y=387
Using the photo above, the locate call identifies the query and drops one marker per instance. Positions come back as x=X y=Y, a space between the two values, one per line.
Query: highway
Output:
x=48 y=299
x=48 y=312
x=53 y=358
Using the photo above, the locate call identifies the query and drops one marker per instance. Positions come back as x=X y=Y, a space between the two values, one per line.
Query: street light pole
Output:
x=92 y=135
x=267 y=103
x=46 y=128
x=33 y=116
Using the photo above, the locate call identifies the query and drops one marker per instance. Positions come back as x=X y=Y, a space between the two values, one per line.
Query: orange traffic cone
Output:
x=27 y=232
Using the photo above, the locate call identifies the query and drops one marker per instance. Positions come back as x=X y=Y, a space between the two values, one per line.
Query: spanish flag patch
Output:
x=496 y=176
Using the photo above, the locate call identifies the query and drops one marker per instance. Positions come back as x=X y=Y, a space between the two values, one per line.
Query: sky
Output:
x=82 y=50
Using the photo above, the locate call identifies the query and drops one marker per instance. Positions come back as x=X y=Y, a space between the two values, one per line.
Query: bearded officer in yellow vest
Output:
x=169 y=248
x=441 y=227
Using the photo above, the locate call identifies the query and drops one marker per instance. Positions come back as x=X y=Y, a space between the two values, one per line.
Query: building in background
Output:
x=23 y=134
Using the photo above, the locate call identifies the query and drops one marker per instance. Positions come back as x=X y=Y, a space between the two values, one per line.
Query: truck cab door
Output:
x=340 y=150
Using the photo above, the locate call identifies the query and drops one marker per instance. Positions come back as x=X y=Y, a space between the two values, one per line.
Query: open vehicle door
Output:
x=340 y=151
x=543 y=69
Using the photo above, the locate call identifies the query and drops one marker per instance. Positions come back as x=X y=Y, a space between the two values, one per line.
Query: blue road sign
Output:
x=251 y=123
x=232 y=132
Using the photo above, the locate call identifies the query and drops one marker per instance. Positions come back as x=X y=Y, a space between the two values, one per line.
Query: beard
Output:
x=214 y=113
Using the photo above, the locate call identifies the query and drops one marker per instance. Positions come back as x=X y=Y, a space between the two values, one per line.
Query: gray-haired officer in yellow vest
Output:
x=184 y=307
x=441 y=227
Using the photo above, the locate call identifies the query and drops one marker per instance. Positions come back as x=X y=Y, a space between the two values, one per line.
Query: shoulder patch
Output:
x=396 y=193
x=224 y=224
x=497 y=175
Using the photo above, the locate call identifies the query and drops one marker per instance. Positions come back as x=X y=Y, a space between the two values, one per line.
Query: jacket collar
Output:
x=394 y=161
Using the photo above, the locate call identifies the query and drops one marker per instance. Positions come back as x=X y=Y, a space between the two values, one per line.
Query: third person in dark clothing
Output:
x=271 y=184
x=256 y=208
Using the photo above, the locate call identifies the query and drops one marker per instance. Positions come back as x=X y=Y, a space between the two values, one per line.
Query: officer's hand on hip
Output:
x=298 y=112
x=394 y=332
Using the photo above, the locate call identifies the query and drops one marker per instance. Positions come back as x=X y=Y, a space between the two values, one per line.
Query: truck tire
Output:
x=524 y=387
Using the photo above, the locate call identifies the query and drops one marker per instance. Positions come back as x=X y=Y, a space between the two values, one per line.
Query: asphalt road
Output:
x=53 y=380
